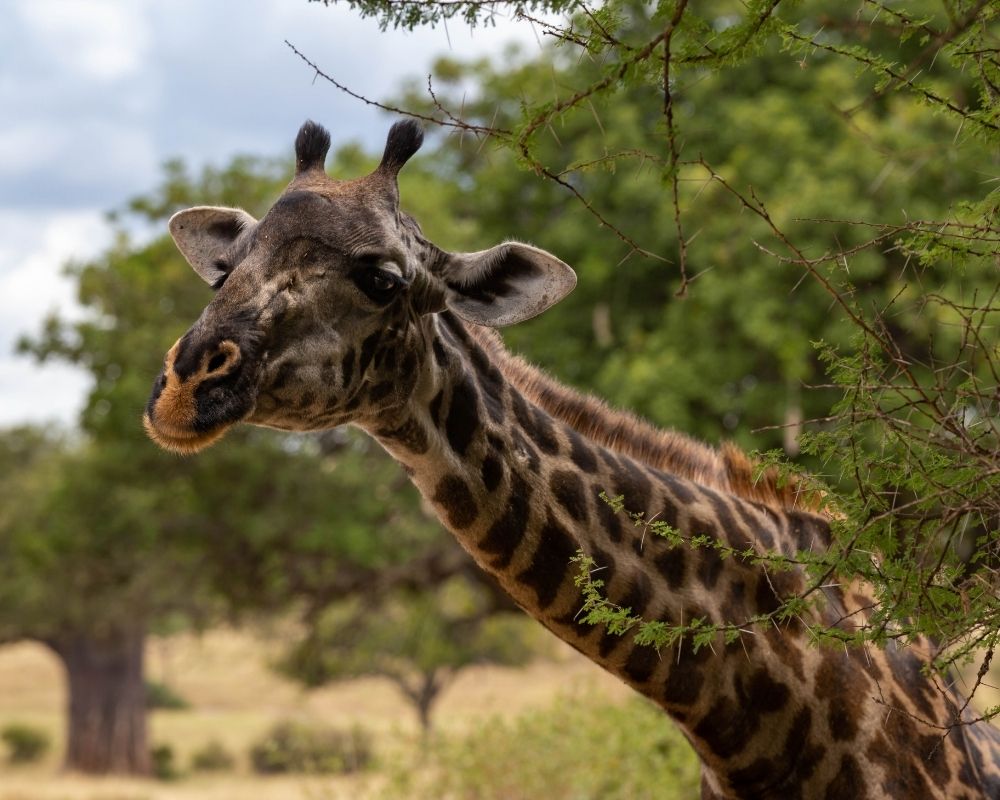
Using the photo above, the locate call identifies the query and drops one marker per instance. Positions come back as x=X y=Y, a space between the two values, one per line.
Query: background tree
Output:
x=419 y=640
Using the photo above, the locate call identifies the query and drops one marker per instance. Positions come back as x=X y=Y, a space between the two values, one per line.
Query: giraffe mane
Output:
x=726 y=468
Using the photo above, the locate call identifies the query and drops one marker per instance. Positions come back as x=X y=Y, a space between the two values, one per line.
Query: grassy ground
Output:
x=235 y=698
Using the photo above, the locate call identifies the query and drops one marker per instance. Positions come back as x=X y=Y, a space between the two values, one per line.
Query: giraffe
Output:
x=334 y=309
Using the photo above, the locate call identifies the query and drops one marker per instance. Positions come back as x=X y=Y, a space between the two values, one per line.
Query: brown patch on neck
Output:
x=727 y=469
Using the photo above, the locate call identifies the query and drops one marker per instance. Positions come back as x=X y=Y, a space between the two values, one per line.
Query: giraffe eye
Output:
x=379 y=284
x=383 y=281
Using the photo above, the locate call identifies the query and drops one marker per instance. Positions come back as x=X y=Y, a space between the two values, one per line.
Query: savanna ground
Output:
x=530 y=719
x=234 y=698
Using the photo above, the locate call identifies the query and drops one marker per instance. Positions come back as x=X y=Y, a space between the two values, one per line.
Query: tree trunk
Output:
x=107 y=702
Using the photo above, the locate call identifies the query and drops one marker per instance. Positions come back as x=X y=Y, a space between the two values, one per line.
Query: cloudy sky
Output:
x=96 y=94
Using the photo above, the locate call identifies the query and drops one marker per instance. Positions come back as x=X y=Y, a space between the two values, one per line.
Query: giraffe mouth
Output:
x=193 y=407
x=183 y=442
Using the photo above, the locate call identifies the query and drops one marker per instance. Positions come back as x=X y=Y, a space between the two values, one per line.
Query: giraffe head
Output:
x=322 y=307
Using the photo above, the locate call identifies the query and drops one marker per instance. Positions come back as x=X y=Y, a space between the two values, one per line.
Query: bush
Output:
x=162 y=697
x=25 y=743
x=213 y=757
x=297 y=747
x=575 y=749
x=164 y=765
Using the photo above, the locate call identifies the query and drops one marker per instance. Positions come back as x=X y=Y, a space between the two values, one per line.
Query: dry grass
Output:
x=235 y=698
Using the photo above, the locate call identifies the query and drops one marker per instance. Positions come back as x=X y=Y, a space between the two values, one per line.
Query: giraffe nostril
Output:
x=223 y=359
x=216 y=362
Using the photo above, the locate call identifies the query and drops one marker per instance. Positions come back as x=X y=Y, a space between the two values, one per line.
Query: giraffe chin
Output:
x=184 y=443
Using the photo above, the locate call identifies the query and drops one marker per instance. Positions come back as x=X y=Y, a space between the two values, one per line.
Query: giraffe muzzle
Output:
x=198 y=396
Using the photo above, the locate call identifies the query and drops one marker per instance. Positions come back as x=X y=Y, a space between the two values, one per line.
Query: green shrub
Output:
x=164 y=765
x=213 y=757
x=574 y=750
x=25 y=743
x=161 y=696
x=297 y=747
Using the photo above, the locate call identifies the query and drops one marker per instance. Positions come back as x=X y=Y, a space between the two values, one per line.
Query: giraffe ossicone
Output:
x=334 y=309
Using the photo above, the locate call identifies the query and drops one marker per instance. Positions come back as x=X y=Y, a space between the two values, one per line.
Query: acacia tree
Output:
x=419 y=640
x=815 y=184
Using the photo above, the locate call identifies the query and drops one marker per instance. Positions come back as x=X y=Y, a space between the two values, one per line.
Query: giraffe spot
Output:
x=906 y=668
x=463 y=417
x=608 y=643
x=367 y=352
x=862 y=657
x=409 y=364
x=609 y=459
x=492 y=472
x=306 y=400
x=524 y=450
x=607 y=517
x=762 y=692
x=435 y=408
x=709 y=566
x=773 y=587
x=668 y=514
x=580 y=453
x=455 y=499
x=848 y=783
x=934 y=758
x=680 y=489
x=641 y=663
x=380 y=391
x=785 y=651
x=634 y=487
x=410 y=434
x=544 y=433
x=735 y=532
x=491 y=384
x=568 y=491
x=505 y=534
x=686 y=676
x=842 y=687
x=284 y=375
x=347 y=367
x=808 y=531
x=726 y=728
x=535 y=424
x=672 y=565
x=440 y=356
x=639 y=593
x=798 y=748
x=576 y=626
x=900 y=776
x=549 y=564
x=757 y=775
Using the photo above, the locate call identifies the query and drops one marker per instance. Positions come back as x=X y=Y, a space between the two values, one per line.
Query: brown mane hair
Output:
x=726 y=468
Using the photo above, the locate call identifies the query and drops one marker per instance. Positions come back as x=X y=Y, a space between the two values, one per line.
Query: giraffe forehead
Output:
x=350 y=223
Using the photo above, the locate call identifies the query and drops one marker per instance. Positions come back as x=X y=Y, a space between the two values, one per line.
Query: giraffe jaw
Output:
x=183 y=442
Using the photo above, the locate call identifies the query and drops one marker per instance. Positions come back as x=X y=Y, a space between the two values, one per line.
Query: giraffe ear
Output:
x=508 y=283
x=204 y=233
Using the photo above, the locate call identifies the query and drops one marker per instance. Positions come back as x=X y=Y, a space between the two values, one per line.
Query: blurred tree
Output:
x=418 y=640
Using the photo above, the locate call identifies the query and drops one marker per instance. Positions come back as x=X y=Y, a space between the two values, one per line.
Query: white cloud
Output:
x=100 y=40
x=35 y=247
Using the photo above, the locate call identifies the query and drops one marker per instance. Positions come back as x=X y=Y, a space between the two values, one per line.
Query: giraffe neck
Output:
x=520 y=490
